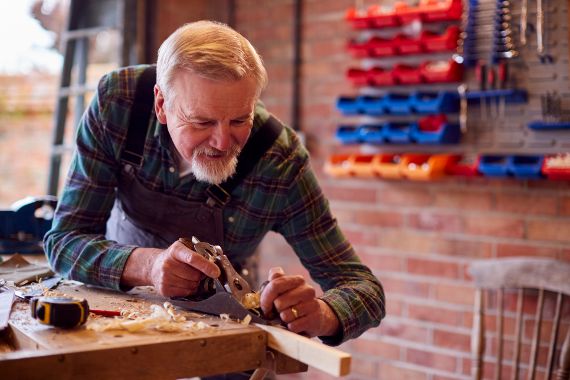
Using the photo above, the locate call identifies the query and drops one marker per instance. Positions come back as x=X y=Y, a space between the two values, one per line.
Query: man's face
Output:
x=208 y=121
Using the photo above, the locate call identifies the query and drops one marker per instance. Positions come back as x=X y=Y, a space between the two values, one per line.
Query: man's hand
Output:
x=174 y=272
x=297 y=305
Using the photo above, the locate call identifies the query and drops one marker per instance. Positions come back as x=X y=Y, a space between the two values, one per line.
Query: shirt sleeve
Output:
x=75 y=245
x=350 y=288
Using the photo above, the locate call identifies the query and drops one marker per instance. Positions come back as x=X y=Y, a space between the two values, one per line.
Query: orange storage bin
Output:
x=339 y=165
x=363 y=165
x=388 y=166
x=423 y=167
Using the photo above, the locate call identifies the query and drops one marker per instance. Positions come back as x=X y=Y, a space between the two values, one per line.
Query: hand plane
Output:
x=229 y=294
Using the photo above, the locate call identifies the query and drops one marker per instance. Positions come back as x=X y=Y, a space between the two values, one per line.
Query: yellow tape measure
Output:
x=64 y=312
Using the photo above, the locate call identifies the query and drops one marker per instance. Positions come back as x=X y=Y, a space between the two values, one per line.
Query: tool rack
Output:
x=457 y=87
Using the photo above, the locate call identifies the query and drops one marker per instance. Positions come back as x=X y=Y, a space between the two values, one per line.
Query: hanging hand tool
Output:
x=229 y=294
x=462 y=91
x=502 y=76
x=481 y=73
x=64 y=312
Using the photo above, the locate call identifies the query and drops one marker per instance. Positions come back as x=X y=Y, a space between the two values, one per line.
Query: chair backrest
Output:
x=518 y=281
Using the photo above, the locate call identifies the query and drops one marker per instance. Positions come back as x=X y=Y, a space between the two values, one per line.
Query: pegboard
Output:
x=493 y=125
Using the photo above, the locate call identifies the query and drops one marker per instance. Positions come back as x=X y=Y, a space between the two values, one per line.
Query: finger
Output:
x=277 y=287
x=303 y=325
x=174 y=268
x=195 y=260
x=299 y=310
x=294 y=296
x=275 y=272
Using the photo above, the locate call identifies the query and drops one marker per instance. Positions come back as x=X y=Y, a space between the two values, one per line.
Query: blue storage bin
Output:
x=525 y=166
x=348 y=134
x=347 y=105
x=398 y=104
x=434 y=102
x=447 y=134
x=397 y=133
x=371 y=105
x=372 y=133
x=494 y=166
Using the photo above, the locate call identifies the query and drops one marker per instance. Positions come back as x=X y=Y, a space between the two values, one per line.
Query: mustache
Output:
x=234 y=151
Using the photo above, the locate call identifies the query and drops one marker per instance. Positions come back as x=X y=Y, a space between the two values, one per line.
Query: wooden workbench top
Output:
x=46 y=352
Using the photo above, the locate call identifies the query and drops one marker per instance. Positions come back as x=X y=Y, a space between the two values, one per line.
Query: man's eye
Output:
x=239 y=121
x=204 y=123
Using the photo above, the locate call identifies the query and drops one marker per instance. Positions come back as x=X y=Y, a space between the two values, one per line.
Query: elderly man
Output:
x=203 y=157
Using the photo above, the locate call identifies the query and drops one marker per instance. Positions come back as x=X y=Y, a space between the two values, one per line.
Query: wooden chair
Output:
x=509 y=280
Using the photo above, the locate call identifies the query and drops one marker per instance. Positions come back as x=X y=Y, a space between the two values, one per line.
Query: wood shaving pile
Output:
x=161 y=318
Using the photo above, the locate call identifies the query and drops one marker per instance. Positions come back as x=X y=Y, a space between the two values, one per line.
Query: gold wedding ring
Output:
x=295 y=312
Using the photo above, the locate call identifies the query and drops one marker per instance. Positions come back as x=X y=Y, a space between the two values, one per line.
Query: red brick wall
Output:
x=418 y=238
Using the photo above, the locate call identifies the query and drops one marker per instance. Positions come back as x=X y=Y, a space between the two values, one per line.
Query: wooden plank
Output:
x=311 y=352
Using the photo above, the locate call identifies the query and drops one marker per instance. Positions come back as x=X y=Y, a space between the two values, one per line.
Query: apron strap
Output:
x=139 y=118
x=250 y=155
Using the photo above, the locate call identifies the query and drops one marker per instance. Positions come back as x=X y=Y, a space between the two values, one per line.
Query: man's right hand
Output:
x=174 y=272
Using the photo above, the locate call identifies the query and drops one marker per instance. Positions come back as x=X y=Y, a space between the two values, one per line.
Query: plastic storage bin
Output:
x=363 y=165
x=397 y=104
x=525 y=166
x=379 y=76
x=557 y=167
x=348 y=105
x=339 y=165
x=463 y=166
x=372 y=105
x=358 y=77
x=435 y=43
x=372 y=133
x=406 y=74
x=494 y=165
x=435 y=130
x=397 y=133
x=348 y=134
x=441 y=72
x=388 y=166
x=434 y=102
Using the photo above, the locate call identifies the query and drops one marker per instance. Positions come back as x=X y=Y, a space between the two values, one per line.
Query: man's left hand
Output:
x=297 y=305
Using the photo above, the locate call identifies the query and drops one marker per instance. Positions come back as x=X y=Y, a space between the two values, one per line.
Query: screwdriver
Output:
x=502 y=73
x=481 y=73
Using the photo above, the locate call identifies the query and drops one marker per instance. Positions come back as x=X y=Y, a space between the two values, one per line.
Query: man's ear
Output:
x=159 y=105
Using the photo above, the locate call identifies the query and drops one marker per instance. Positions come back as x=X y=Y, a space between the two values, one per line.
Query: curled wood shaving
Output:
x=251 y=300
x=162 y=318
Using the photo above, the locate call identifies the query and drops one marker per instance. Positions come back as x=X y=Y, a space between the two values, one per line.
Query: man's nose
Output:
x=221 y=137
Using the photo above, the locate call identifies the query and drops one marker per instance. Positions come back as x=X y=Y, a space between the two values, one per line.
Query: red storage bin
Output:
x=557 y=167
x=441 y=71
x=379 y=18
x=358 y=20
x=463 y=166
x=378 y=76
x=358 y=77
x=433 y=42
x=406 y=74
x=441 y=10
x=407 y=45
x=407 y=14
x=381 y=47
x=358 y=49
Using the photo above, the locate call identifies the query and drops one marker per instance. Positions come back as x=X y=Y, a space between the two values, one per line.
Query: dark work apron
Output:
x=151 y=219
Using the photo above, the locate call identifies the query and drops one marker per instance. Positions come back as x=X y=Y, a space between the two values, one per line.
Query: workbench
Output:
x=30 y=350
